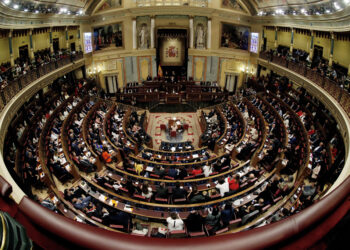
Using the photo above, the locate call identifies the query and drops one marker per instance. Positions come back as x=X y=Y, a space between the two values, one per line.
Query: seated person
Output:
x=106 y=156
x=194 y=222
x=172 y=172
x=213 y=219
x=82 y=202
x=223 y=186
x=227 y=214
x=182 y=173
x=179 y=192
x=162 y=191
x=138 y=168
x=159 y=170
x=194 y=196
x=207 y=169
x=197 y=171
x=146 y=190
x=175 y=222
x=233 y=183
x=116 y=185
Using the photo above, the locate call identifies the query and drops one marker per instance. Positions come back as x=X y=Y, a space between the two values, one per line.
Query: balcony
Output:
x=14 y=86
x=338 y=93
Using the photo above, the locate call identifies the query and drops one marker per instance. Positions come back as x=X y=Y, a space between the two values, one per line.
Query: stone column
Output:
x=67 y=38
x=134 y=35
x=332 y=50
x=312 y=45
x=276 y=29
x=12 y=60
x=31 y=47
x=152 y=33
x=191 y=32
x=292 y=41
x=262 y=39
x=209 y=35
x=79 y=40
x=51 y=41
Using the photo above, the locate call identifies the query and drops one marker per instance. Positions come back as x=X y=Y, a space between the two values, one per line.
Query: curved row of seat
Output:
x=92 y=122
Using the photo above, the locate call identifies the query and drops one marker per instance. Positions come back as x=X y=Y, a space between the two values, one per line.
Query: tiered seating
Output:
x=260 y=178
x=51 y=139
x=114 y=126
x=235 y=127
x=135 y=128
x=213 y=125
x=176 y=156
x=255 y=136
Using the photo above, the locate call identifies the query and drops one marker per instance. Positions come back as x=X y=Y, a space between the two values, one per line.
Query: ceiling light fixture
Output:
x=7 y=2
x=336 y=6
x=15 y=6
x=63 y=10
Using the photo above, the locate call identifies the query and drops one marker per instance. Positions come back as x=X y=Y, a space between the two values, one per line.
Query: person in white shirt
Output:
x=175 y=222
x=146 y=191
x=117 y=185
x=223 y=186
x=207 y=170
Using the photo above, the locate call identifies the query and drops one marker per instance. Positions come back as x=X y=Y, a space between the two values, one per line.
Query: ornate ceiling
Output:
x=250 y=7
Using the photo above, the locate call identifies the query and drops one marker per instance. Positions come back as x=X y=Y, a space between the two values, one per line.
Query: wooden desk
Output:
x=173 y=98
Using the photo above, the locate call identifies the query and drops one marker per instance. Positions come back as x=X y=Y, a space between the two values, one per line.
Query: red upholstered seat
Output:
x=162 y=126
x=185 y=126
x=173 y=133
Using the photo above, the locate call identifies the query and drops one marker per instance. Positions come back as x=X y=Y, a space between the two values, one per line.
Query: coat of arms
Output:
x=172 y=51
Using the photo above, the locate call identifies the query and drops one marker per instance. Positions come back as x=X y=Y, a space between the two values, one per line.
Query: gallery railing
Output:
x=332 y=87
x=14 y=86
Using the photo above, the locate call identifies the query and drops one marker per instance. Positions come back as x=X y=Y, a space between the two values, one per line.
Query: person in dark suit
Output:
x=194 y=222
x=162 y=191
x=179 y=192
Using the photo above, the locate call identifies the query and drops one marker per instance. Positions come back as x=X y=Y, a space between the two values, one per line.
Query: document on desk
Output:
x=149 y=169
x=102 y=198
x=128 y=208
x=113 y=203
x=78 y=219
